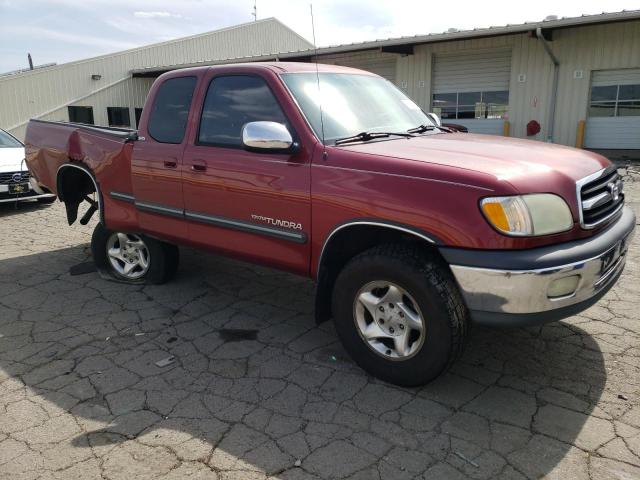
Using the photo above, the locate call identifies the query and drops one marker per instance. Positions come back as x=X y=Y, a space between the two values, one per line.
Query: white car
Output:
x=14 y=176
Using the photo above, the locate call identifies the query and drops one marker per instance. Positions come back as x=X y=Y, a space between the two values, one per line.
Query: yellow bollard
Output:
x=580 y=134
x=506 y=127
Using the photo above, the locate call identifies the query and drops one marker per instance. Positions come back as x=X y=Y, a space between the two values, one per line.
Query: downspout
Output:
x=554 y=85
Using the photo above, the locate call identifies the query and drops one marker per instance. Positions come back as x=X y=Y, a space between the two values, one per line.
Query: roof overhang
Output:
x=406 y=45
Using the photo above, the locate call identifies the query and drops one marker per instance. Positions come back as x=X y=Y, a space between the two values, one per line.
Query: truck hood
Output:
x=11 y=160
x=525 y=164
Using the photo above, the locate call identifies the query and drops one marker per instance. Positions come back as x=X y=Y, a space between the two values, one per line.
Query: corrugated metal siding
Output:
x=30 y=94
x=598 y=47
x=380 y=63
x=472 y=72
x=585 y=49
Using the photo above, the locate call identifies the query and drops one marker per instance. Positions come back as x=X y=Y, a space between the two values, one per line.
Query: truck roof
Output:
x=276 y=67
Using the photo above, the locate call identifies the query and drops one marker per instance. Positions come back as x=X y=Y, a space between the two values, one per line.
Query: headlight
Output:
x=528 y=215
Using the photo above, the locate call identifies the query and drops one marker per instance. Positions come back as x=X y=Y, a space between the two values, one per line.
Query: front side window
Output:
x=471 y=105
x=615 y=101
x=232 y=102
x=118 y=117
x=170 y=111
x=353 y=103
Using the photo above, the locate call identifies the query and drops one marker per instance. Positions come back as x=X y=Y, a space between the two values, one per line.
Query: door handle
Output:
x=199 y=166
x=170 y=164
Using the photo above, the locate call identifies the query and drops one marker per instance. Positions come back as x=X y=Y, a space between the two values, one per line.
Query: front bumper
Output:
x=32 y=191
x=513 y=287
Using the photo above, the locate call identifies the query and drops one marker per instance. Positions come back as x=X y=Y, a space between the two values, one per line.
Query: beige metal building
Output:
x=579 y=78
x=102 y=90
x=485 y=77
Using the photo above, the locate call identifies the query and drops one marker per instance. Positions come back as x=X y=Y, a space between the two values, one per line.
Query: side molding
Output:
x=222 y=222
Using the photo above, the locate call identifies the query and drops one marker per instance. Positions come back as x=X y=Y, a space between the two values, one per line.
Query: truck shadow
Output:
x=226 y=368
x=8 y=209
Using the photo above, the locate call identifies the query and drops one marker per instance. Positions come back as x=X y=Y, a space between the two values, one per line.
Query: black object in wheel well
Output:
x=74 y=183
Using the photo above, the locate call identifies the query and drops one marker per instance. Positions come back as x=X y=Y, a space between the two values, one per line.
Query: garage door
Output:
x=473 y=89
x=614 y=110
x=380 y=64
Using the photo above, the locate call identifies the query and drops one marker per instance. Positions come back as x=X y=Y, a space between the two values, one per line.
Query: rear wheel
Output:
x=133 y=258
x=399 y=314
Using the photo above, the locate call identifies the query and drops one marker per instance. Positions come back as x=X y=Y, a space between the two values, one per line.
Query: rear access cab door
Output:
x=156 y=165
x=252 y=205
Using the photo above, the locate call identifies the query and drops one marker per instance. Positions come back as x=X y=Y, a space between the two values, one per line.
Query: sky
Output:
x=65 y=30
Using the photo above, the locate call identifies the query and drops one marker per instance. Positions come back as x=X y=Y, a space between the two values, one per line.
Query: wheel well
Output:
x=74 y=184
x=348 y=242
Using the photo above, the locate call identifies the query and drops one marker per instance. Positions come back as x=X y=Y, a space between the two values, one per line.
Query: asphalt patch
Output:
x=237 y=334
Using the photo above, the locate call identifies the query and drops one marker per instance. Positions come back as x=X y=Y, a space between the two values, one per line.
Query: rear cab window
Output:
x=170 y=111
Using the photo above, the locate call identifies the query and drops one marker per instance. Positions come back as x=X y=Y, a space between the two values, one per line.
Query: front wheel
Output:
x=133 y=258
x=399 y=314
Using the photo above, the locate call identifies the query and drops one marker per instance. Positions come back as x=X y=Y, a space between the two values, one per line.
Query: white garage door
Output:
x=380 y=63
x=473 y=89
x=614 y=110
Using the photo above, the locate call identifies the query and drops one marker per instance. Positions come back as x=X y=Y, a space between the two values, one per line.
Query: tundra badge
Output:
x=276 y=222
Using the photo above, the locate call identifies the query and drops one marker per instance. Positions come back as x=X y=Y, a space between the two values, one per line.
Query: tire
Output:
x=46 y=200
x=160 y=259
x=422 y=292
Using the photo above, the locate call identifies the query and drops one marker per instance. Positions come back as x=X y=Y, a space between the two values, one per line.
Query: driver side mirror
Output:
x=267 y=137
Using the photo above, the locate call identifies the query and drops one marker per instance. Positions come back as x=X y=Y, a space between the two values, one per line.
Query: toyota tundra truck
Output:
x=412 y=232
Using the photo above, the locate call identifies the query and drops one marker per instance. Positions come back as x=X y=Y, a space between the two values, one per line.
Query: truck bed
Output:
x=49 y=145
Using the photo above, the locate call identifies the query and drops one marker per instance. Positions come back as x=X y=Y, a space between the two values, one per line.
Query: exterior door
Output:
x=157 y=160
x=252 y=205
x=614 y=110
x=473 y=89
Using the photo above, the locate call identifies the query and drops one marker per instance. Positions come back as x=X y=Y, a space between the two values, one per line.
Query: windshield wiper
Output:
x=422 y=128
x=366 y=136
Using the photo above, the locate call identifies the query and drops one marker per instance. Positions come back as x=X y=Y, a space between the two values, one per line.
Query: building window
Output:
x=471 y=105
x=233 y=101
x=138 y=113
x=118 y=116
x=81 y=115
x=168 y=117
x=615 y=101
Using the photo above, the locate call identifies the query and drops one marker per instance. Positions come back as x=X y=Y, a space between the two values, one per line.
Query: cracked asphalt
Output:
x=256 y=390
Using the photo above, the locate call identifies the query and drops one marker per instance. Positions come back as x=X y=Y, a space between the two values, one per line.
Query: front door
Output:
x=157 y=160
x=251 y=205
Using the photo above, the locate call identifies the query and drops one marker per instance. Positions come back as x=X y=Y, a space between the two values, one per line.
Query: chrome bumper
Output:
x=522 y=297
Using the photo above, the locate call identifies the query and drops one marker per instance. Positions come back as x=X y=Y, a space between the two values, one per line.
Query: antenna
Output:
x=313 y=31
x=255 y=10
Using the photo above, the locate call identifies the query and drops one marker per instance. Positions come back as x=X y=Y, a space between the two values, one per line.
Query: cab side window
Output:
x=231 y=102
x=168 y=119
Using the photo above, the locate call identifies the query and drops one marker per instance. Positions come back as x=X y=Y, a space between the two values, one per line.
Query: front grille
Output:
x=7 y=178
x=600 y=197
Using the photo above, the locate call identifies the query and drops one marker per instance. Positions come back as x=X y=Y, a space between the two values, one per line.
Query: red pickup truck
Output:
x=411 y=231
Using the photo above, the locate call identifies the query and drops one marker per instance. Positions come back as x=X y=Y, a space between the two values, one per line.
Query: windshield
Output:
x=7 y=141
x=353 y=103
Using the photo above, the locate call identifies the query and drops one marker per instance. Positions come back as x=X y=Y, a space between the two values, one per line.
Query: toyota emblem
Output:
x=614 y=189
x=16 y=177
